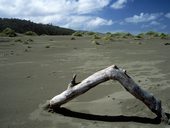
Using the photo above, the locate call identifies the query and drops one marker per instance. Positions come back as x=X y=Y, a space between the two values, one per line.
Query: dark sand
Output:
x=33 y=72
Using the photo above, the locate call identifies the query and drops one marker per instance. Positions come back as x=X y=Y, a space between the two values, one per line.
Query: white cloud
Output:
x=86 y=22
x=99 y=22
x=46 y=7
x=167 y=15
x=78 y=22
x=154 y=25
x=163 y=26
x=143 y=17
x=119 y=4
x=87 y=6
x=37 y=7
x=75 y=14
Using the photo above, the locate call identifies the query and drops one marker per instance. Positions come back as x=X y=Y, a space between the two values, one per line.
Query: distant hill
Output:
x=22 y=26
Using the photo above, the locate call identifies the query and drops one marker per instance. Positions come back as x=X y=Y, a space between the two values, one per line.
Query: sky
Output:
x=134 y=16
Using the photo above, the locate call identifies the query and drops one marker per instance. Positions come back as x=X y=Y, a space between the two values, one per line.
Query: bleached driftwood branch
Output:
x=111 y=73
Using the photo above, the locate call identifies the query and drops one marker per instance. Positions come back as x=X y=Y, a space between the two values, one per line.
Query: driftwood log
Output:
x=111 y=73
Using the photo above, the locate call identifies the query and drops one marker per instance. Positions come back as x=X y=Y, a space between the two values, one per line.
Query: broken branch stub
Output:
x=111 y=73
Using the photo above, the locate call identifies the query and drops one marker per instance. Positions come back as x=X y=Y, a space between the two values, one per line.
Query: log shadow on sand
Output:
x=119 y=118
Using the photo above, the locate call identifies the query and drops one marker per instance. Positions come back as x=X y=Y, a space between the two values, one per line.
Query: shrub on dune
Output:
x=30 y=33
x=108 y=38
x=18 y=40
x=152 y=33
x=163 y=36
x=96 y=36
x=47 y=46
x=8 y=32
x=77 y=34
x=95 y=42
x=30 y=40
x=73 y=38
x=90 y=33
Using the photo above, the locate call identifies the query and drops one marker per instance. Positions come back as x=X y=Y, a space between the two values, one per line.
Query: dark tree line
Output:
x=22 y=26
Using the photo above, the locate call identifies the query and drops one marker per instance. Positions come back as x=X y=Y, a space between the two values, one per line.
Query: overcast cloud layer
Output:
x=94 y=15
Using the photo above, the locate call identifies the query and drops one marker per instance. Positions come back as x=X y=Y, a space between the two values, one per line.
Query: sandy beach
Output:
x=33 y=69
